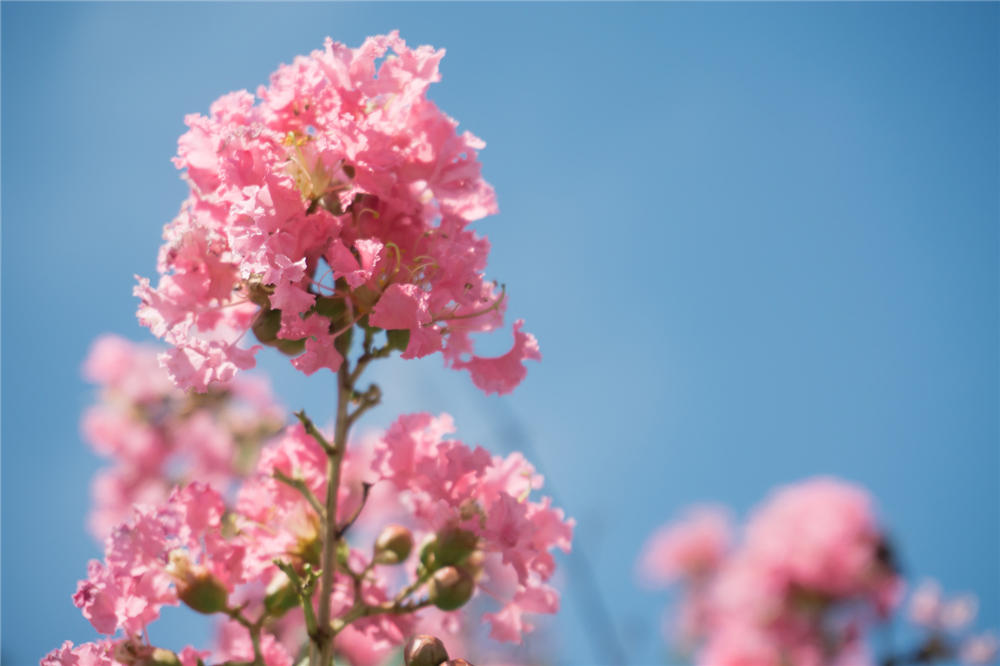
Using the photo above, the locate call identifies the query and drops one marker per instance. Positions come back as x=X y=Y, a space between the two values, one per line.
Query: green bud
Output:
x=427 y=548
x=365 y=298
x=450 y=588
x=204 y=594
x=331 y=308
x=257 y=293
x=473 y=565
x=393 y=545
x=196 y=586
x=280 y=596
x=266 y=326
x=454 y=546
x=162 y=657
x=424 y=650
x=290 y=347
x=309 y=549
x=131 y=653
x=398 y=339
x=343 y=553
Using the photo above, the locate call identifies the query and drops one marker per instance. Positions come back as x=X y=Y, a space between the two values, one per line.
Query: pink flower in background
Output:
x=163 y=554
x=157 y=435
x=810 y=575
x=821 y=537
x=692 y=547
x=981 y=649
x=339 y=196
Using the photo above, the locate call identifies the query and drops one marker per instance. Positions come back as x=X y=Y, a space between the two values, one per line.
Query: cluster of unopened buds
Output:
x=812 y=576
x=328 y=219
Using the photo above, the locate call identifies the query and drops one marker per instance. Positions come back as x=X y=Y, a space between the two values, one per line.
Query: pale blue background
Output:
x=756 y=242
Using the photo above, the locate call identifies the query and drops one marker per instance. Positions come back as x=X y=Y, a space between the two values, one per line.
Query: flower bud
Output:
x=424 y=650
x=290 y=347
x=454 y=545
x=457 y=662
x=266 y=326
x=280 y=595
x=161 y=657
x=130 y=653
x=398 y=339
x=450 y=588
x=309 y=549
x=393 y=545
x=196 y=586
x=474 y=565
x=343 y=554
x=427 y=548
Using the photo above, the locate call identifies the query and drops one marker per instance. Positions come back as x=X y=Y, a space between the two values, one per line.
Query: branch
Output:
x=301 y=486
x=314 y=432
x=254 y=629
x=304 y=590
x=365 y=490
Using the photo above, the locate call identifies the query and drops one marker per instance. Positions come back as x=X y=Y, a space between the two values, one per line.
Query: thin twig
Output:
x=314 y=432
x=365 y=491
x=301 y=486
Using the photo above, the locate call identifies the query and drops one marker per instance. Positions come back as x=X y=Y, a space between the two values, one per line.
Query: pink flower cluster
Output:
x=811 y=573
x=157 y=435
x=451 y=486
x=173 y=552
x=190 y=549
x=341 y=196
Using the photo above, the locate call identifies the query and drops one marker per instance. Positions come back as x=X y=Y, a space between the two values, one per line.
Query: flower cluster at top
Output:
x=157 y=435
x=340 y=197
x=811 y=575
x=479 y=534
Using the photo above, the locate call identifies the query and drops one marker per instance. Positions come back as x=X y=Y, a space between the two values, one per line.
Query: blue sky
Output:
x=757 y=242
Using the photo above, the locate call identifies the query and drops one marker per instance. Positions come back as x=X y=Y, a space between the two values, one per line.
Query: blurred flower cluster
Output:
x=812 y=574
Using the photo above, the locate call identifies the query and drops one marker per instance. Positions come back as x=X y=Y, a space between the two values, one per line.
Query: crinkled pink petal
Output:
x=502 y=374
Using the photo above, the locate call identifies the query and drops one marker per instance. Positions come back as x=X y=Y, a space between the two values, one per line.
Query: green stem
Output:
x=334 y=458
x=301 y=486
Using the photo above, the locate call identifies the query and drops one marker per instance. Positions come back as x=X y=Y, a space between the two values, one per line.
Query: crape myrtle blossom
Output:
x=811 y=575
x=339 y=197
x=692 y=547
x=157 y=435
x=472 y=511
x=328 y=217
x=690 y=552
x=466 y=494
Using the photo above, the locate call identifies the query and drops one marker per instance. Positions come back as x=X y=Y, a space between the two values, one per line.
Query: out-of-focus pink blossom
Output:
x=925 y=604
x=234 y=644
x=811 y=573
x=157 y=435
x=152 y=558
x=692 y=547
x=982 y=649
